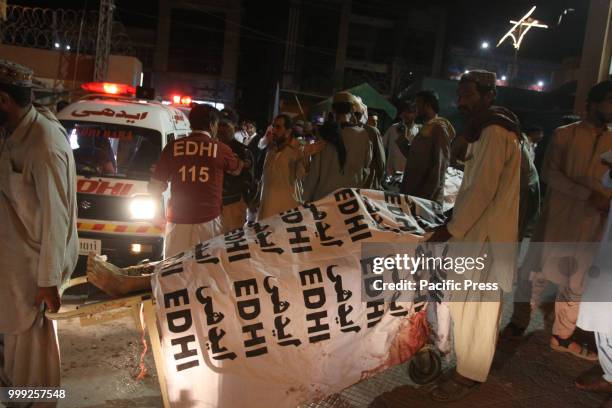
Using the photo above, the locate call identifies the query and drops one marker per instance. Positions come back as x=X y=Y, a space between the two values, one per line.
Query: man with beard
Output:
x=485 y=212
x=575 y=210
x=429 y=153
x=286 y=164
x=38 y=236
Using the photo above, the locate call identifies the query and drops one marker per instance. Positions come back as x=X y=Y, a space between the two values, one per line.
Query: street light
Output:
x=67 y=47
x=503 y=78
x=57 y=45
x=540 y=84
x=484 y=45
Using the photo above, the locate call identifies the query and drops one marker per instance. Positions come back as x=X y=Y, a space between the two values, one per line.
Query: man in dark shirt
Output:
x=195 y=167
x=428 y=156
x=238 y=189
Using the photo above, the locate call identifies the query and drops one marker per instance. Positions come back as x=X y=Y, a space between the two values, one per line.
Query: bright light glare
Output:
x=136 y=248
x=111 y=88
x=503 y=78
x=540 y=84
x=484 y=45
x=67 y=48
x=74 y=144
x=57 y=45
x=142 y=208
x=466 y=72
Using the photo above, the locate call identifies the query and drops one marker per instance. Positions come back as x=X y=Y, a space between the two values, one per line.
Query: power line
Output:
x=266 y=37
x=270 y=36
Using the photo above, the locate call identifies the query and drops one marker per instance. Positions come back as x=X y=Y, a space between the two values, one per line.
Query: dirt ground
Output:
x=100 y=364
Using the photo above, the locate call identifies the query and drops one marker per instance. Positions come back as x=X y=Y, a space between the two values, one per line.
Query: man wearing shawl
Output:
x=486 y=212
x=38 y=236
x=427 y=157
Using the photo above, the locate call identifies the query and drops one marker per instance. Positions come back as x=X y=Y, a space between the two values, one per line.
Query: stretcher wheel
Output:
x=425 y=367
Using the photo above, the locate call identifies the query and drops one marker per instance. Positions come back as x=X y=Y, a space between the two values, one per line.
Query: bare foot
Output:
x=106 y=276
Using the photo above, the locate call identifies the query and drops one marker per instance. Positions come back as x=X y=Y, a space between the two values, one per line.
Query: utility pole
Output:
x=103 y=41
x=289 y=64
x=596 y=51
x=345 y=15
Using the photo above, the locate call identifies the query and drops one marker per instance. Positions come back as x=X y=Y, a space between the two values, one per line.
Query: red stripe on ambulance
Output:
x=121 y=228
x=103 y=187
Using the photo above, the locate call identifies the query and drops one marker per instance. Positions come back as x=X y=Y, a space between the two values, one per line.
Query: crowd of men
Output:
x=237 y=176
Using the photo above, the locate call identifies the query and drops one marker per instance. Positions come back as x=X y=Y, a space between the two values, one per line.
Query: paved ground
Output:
x=100 y=364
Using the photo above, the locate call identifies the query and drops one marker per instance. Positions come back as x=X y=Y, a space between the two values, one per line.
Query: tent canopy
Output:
x=370 y=97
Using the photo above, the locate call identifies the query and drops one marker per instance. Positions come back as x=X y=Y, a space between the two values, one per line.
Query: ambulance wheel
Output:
x=425 y=367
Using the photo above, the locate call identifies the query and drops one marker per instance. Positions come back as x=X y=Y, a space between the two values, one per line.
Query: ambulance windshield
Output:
x=104 y=149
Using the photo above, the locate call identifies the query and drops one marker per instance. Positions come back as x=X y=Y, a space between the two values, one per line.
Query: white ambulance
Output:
x=116 y=140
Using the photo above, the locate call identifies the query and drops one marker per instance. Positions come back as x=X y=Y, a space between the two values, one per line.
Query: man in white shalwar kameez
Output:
x=594 y=314
x=485 y=213
x=407 y=129
x=38 y=238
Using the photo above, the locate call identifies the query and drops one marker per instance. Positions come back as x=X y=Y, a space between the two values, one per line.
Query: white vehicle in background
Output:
x=116 y=140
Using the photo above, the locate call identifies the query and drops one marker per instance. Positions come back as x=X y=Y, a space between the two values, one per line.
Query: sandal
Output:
x=449 y=390
x=563 y=346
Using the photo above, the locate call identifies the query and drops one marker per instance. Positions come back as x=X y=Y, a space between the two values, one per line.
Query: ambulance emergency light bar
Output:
x=187 y=101
x=109 y=88
x=181 y=100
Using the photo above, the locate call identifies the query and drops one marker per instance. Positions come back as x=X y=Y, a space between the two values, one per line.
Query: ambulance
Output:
x=117 y=139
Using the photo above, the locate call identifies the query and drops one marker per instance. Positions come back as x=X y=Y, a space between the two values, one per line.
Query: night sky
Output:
x=469 y=22
x=476 y=21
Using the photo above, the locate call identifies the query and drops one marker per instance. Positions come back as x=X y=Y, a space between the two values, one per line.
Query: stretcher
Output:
x=141 y=307
x=424 y=367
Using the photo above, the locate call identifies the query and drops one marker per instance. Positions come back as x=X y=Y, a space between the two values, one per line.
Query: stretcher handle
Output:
x=92 y=308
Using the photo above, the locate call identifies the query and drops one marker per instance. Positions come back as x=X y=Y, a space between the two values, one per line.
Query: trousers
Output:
x=181 y=237
x=31 y=358
x=475 y=330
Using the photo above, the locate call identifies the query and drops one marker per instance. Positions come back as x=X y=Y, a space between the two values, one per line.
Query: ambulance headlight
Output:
x=142 y=208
